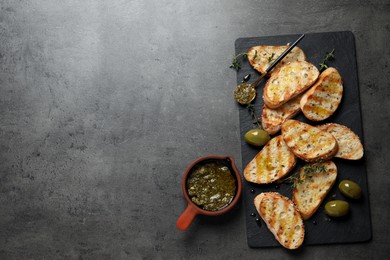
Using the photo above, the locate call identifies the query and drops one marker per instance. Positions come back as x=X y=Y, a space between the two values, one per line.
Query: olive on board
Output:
x=257 y=137
x=336 y=208
x=350 y=189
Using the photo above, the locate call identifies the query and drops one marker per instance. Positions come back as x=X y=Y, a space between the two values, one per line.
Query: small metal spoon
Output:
x=245 y=93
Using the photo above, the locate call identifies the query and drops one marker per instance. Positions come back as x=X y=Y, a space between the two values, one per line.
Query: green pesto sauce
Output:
x=244 y=93
x=211 y=186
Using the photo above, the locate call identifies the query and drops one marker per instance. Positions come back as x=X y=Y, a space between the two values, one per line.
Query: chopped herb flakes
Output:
x=271 y=58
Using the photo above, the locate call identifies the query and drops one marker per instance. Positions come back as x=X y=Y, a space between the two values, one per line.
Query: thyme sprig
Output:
x=255 y=119
x=236 y=64
x=311 y=169
x=329 y=56
x=308 y=172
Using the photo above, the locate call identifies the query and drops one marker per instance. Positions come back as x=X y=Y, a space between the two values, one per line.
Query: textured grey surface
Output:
x=104 y=103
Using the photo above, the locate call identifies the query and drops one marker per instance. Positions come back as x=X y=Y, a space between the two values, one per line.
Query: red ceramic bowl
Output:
x=192 y=209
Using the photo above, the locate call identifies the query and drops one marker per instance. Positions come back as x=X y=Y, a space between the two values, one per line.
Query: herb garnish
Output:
x=329 y=56
x=271 y=58
x=308 y=171
x=255 y=119
x=255 y=56
x=235 y=63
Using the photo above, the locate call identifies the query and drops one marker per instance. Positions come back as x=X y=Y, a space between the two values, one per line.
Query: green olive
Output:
x=257 y=137
x=336 y=208
x=350 y=189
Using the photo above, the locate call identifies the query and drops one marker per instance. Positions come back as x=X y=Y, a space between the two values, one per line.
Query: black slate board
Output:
x=356 y=227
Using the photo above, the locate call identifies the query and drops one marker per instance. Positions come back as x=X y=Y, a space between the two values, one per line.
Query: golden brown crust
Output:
x=291 y=80
x=350 y=146
x=281 y=218
x=307 y=142
x=272 y=119
x=324 y=97
x=272 y=163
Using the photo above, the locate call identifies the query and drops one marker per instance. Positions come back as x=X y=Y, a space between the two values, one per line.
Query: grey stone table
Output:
x=104 y=103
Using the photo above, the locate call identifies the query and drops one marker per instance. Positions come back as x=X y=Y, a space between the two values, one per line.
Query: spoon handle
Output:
x=258 y=80
x=270 y=67
x=284 y=54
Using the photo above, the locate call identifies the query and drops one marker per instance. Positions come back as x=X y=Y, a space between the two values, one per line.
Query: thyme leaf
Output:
x=292 y=179
x=236 y=64
x=311 y=169
x=255 y=119
x=303 y=174
x=271 y=58
x=328 y=56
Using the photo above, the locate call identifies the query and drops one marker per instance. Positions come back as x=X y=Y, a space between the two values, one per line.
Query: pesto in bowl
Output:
x=211 y=185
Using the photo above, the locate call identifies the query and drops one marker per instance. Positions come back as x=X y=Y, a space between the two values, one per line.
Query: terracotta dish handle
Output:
x=187 y=217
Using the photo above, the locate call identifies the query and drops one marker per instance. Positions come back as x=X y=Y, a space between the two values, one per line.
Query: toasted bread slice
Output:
x=315 y=181
x=273 y=162
x=324 y=97
x=260 y=57
x=350 y=146
x=281 y=218
x=272 y=119
x=291 y=80
x=308 y=142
